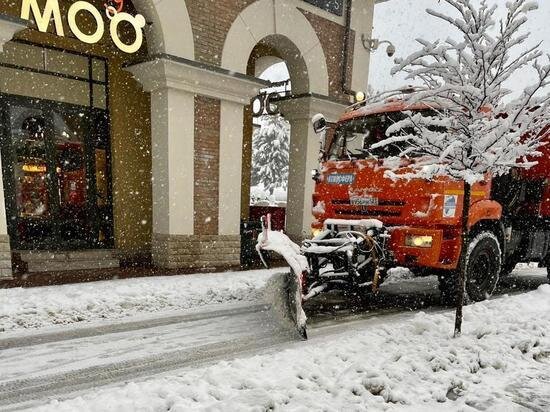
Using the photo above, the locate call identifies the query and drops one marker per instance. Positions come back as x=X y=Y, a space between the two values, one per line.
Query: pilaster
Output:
x=304 y=156
x=174 y=83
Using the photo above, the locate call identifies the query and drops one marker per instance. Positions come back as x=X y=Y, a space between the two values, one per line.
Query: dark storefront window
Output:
x=56 y=157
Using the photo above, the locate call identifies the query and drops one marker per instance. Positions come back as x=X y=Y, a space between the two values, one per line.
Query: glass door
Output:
x=56 y=168
x=31 y=185
x=75 y=218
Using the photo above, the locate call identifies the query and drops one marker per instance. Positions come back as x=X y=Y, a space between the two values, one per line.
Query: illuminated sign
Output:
x=34 y=168
x=52 y=13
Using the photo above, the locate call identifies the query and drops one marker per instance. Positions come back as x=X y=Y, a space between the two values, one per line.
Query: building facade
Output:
x=126 y=132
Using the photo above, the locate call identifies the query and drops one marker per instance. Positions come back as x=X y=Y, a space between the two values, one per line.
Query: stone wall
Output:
x=332 y=36
x=196 y=251
x=5 y=257
x=211 y=21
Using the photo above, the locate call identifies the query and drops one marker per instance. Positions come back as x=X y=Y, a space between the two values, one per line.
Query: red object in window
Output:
x=278 y=215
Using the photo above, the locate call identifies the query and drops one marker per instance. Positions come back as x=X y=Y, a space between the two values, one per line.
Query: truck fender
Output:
x=484 y=210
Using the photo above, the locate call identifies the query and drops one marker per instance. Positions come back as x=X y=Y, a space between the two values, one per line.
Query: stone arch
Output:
x=170 y=30
x=286 y=29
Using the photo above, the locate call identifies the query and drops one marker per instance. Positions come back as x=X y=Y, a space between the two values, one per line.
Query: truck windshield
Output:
x=354 y=137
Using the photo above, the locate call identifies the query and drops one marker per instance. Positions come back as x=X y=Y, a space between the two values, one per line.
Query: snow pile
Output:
x=45 y=306
x=398 y=275
x=501 y=362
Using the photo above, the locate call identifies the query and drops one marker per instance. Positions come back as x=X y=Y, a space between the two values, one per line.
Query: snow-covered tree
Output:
x=477 y=126
x=270 y=153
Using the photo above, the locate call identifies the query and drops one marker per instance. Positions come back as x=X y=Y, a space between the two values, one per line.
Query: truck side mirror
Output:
x=319 y=123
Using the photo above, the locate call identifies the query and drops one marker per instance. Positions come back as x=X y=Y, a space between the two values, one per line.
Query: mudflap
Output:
x=284 y=294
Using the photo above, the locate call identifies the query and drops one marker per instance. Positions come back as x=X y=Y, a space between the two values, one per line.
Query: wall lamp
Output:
x=372 y=45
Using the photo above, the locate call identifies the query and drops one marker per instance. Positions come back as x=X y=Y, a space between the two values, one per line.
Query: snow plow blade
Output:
x=283 y=293
x=284 y=290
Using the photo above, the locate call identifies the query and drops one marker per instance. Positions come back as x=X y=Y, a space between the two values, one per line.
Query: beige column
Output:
x=361 y=23
x=8 y=27
x=304 y=155
x=172 y=123
x=172 y=146
x=174 y=83
x=5 y=250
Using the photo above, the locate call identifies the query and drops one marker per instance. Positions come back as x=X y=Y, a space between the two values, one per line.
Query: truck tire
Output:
x=483 y=268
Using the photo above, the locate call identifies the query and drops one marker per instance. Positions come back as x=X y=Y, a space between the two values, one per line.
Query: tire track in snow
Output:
x=21 y=393
x=84 y=332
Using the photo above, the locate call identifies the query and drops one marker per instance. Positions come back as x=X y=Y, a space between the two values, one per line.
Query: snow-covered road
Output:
x=41 y=366
x=52 y=362
x=127 y=351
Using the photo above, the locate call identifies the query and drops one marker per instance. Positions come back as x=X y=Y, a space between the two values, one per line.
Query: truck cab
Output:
x=509 y=218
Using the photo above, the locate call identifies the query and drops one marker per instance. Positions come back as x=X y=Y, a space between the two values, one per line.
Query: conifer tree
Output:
x=270 y=153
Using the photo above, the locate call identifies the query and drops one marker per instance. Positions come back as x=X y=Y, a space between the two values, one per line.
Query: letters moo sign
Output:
x=52 y=12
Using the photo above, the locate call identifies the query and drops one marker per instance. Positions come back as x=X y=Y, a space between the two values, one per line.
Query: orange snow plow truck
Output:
x=365 y=223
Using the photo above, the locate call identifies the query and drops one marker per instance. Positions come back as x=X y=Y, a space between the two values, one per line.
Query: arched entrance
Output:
x=169 y=27
x=266 y=31
x=279 y=48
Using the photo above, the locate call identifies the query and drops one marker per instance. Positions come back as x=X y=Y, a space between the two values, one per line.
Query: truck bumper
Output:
x=443 y=253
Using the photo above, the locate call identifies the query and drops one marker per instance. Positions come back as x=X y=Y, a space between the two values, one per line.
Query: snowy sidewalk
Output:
x=501 y=362
x=115 y=299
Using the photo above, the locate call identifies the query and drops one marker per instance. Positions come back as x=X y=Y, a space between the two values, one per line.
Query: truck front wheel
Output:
x=483 y=267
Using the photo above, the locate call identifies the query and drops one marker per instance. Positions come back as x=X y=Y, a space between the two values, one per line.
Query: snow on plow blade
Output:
x=283 y=293
x=284 y=290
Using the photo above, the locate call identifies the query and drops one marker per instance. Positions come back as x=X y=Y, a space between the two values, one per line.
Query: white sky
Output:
x=276 y=73
x=402 y=21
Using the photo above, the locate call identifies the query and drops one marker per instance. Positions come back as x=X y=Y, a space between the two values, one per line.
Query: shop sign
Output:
x=115 y=15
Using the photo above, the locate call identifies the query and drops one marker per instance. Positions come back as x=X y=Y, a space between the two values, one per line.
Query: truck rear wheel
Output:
x=483 y=267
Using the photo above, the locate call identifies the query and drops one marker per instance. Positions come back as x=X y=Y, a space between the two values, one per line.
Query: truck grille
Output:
x=381 y=202
x=374 y=213
x=385 y=208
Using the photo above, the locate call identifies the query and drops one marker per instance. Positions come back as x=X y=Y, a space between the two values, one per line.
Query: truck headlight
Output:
x=316 y=232
x=419 y=241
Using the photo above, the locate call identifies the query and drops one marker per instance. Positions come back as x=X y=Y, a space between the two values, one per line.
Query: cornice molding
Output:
x=306 y=107
x=163 y=73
